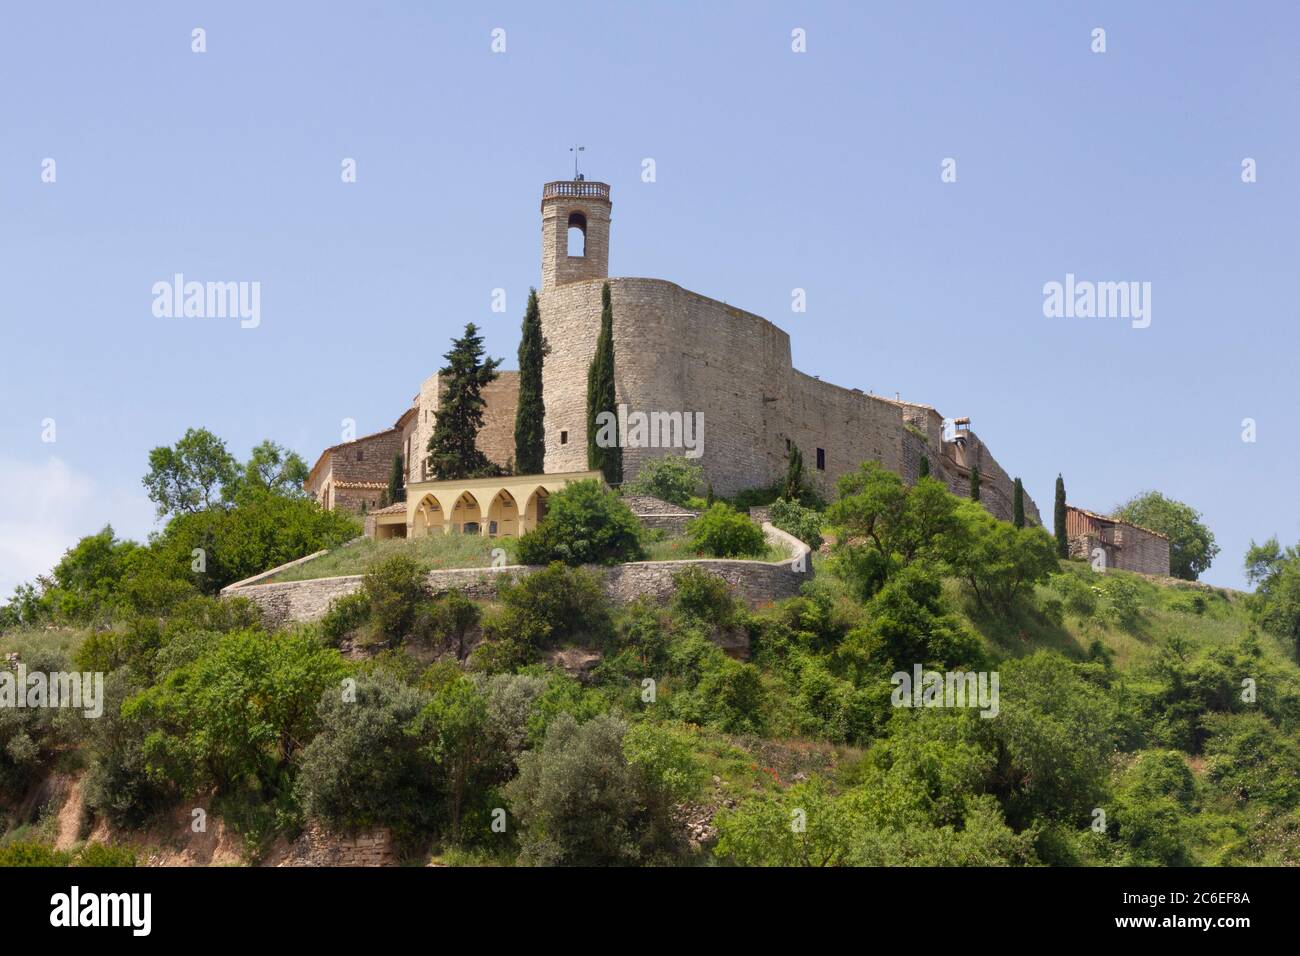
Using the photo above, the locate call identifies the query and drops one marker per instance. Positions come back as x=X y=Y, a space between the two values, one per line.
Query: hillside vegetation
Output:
x=1134 y=722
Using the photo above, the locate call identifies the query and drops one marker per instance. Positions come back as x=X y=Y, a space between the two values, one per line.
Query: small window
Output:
x=821 y=459
x=564 y=438
x=492 y=529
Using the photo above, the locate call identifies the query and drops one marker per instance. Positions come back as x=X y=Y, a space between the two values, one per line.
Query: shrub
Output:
x=550 y=606
x=365 y=767
x=447 y=620
x=590 y=797
x=104 y=855
x=673 y=478
x=396 y=587
x=33 y=854
x=725 y=533
x=1124 y=596
x=704 y=596
x=345 y=615
x=793 y=518
x=1078 y=596
x=585 y=523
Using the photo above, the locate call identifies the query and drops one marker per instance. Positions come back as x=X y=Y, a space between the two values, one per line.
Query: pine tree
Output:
x=601 y=396
x=530 y=437
x=1018 y=505
x=975 y=483
x=1062 y=539
x=453 y=450
x=396 y=483
x=792 y=488
x=924 y=471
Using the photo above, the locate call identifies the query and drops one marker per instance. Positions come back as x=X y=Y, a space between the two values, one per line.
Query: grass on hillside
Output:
x=25 y=640
x=433 y=552
x=441 y=551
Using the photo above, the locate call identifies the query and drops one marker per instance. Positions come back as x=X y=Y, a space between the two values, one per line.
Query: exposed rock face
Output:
x=318 y=847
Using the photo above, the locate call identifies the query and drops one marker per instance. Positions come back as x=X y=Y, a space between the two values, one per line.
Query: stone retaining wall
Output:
x=755 y=582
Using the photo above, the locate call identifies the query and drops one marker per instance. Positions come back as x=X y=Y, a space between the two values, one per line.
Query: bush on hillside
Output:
x=585 y=523
x=673 y=478
x=725 y=533
x=793 y=518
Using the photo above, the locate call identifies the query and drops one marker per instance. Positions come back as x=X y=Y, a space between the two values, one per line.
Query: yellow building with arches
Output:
x=502 y=507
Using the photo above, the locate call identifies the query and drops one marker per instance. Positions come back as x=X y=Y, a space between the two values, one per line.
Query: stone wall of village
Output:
x=755 y=582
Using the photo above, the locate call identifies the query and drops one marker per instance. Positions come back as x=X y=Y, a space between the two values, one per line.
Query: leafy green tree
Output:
x=881 y=525
x=239 y=712
x=793 y=518
x=999 y=563
x=1018 y=504
x=270 y=468
x=674 y=478
x=1276 y=601
x=453 y=450
x=530 y=433
x=601 y=397
x=189 y=476
x=723 y=532
x=975 y=483
x=1058 y=520
x=549 y=606
x=456 y=724
x=590 y=797
x=1054 y=739
x=1191 y=543
x=805 y=825
x=365 y=767
x=585 y=523
x=396 y=587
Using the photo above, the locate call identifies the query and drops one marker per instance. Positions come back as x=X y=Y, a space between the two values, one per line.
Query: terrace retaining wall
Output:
x=754 y=582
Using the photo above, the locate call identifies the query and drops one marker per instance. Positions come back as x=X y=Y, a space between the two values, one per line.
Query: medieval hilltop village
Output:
x=733 y=363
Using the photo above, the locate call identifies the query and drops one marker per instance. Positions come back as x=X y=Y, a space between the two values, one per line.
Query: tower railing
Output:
x=575 y=189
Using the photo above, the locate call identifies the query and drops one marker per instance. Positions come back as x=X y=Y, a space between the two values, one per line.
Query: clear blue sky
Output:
x=776 y=170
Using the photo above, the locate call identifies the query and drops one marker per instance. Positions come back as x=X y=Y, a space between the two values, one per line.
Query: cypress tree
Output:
x=601 y=396
x=1018 y=505
x=453 y=449
x=1062 y=540
x=924 y=471
x=530 y=437
x=396 y=482
x=975 y=483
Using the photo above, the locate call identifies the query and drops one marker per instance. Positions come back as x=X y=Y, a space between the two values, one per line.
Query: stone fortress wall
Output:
x=679 y=351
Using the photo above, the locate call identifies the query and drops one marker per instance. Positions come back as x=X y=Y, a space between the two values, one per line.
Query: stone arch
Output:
x=428 y=518
x=503 y=516
x=577 y=236
x=535 y=508
x=466 y=516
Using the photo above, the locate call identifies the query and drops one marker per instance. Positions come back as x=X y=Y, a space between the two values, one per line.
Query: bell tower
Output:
x=575 y=232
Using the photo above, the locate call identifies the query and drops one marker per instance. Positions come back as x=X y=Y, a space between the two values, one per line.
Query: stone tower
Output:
x=583 y=207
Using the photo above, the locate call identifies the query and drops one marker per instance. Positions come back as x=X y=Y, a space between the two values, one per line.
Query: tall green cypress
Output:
x=453 y=446
x=530 y=437
x=792 y=488
x=975 y=483
x=1062 y=539
x=601 y=396
x=1018 y=505
x=396 y=482
x=924 y=470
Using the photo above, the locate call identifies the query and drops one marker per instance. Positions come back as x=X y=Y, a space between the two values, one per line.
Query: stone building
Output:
x=679 y=353
x=1125 y=546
